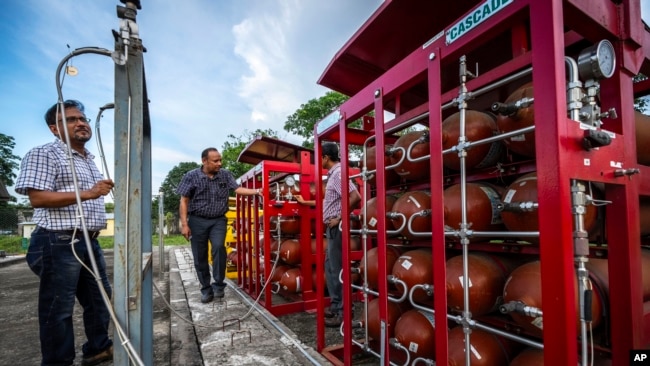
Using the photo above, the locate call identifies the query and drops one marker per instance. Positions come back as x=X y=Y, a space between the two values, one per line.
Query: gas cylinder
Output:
x=408 y=204
x=523 y=144
x=370 y=157
x=415 y=330
x=529 y=357
x=374 y=323
x=525 y=285
x=289 y=225
x=372 y=214
x=409 y=170
x=599 y=273
x=524 y=189
x=487 y=276
x=485 y=348
x=232 y=258
x=314 y=279
x=372 y=270
x=355 y=242
x=415 y=267
x=642 y=124
x=278 y=272
x=482 y=200
x=478 y=126
x=314 y=242
x=290 y=251
x=291 y=280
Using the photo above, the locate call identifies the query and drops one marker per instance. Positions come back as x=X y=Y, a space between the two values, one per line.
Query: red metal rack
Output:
x=414 y=74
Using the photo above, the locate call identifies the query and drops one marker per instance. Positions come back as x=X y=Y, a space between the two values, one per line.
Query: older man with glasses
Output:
x=57 y=252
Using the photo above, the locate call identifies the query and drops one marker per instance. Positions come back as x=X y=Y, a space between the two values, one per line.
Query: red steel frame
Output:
x=249 y=248
x=553 y=25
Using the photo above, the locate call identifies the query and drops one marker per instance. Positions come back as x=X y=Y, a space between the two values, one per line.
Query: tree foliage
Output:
x=9 y=162
x=302 y=122
x=171 y=200
x=234 y=146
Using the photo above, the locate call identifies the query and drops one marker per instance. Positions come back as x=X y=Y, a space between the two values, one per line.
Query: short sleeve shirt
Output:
x=332 y=201
x=48 y=168
x=208 y=196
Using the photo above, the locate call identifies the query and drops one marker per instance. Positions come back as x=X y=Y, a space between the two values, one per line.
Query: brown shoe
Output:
x=334 y=322
x=105 y=355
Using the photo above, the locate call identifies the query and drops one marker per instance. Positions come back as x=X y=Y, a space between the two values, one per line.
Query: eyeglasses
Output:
x=75 y=119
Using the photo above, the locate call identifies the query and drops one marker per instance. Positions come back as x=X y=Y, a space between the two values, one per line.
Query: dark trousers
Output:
x=333 y=265
x=213 y=230
x=63 y=278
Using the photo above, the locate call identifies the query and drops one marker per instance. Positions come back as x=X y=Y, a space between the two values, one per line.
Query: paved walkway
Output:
x=227 y=331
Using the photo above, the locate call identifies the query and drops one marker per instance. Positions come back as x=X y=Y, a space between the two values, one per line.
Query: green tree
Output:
x=9 y=162
x=640 y=104
x=234 y=146
x=168 y=188
x=302 y=122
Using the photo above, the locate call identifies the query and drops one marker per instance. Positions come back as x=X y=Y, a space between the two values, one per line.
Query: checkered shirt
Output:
x=208 y=196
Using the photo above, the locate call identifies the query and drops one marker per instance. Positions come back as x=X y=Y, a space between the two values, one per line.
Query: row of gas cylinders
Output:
x=407 y=159
x=488 y=208
x=493 y=280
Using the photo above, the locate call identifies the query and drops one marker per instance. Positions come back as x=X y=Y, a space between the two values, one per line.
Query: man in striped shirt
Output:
x=331 y=219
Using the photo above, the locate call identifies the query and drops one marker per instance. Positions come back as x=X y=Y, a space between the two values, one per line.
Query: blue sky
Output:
x=213 y=67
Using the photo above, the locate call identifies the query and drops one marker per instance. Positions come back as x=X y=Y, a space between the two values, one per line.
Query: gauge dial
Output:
x=290 y=181
x=597 y=61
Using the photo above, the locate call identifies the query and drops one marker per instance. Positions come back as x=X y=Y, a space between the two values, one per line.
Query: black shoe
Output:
x=328 y=314
x=206 y=298
x=105 y=355
x=334 y=322
x=219 y=293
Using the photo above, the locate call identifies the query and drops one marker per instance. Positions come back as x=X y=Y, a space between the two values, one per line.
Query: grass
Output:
x=13 y=244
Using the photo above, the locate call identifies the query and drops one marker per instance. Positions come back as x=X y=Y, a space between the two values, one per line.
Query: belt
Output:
x=77 y=233
x=208 y=217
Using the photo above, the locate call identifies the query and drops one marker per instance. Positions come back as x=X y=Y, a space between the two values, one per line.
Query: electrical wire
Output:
x=124 y=340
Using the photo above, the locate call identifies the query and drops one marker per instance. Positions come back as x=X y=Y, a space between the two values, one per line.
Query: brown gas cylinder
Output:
x=523 y=144
x=415 y=267
x=529 y=357
x=478 y=126
x=599 y=273
x=370 y=157
x=487 y=276
x=290 y=251
x=374 y=322
x=291 y=280
x=482 y=206
x=524 y=189
x=412 y=171
x=408 y=204
x=314 y=279
x=355 y=242
x=289 y=225
x=644 y=214
x=642 y=137
x=232 y=258
x=314 y=242
x=278 y=272
x=525 y=285
x=372 y=214
x=485 y=348
x=415 y=330
x=372 y=271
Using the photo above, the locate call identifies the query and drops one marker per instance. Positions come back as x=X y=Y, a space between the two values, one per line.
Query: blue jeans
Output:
x=63 y=278
x=333 y=265
x=214 y=230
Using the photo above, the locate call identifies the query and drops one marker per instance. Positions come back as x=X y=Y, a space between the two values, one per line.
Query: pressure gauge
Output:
x=597 y=61
x=290 y=181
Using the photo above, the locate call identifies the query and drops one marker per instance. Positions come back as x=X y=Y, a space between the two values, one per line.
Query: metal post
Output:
x=161 y=231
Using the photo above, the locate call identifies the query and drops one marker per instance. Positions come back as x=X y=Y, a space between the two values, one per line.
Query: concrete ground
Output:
x=219 y=333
